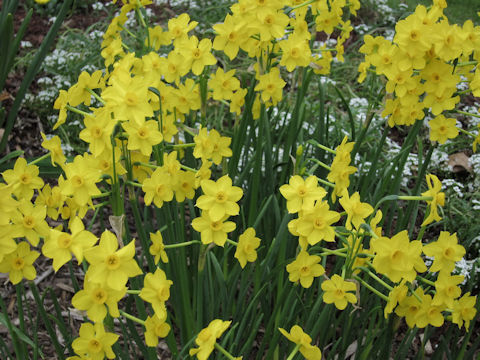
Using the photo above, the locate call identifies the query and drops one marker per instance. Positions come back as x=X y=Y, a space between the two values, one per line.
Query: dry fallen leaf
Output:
x=459 y=162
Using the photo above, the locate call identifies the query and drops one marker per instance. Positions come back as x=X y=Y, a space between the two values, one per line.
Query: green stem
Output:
x=133 y=292
x=327 y=183
x=370 y=287
x=467 y=113
x=322 y=164
x=37 y=160
x=294 y=351
x=224 y=352
x=467 y=132
x=232 y=242
x=181 y=146
x=95 y=95
x=96 y=206
x=323 y=147
x=187 y=243
x=375 y=277
x=186 y=129
x=188 y=168
x=101 y=195
x=408 y=197
x=131 y=317
x=78 y=111
x=426 y=281
x=151 y=166
x=128 y=32
x=133 y=183
x=308 y=2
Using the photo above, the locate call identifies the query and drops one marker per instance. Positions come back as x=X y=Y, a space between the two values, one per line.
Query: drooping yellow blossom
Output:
x=355 y=209
x=247 y=247
x=157 y=248
x=54 y=146
x=156 y=290
x=207 y=338
x=434 y=190
x=155 y=327
x=299 y=337
x=445 y=252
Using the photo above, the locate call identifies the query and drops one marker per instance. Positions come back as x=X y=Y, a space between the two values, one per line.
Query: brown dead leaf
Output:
x=4 y=95
x=459 y=162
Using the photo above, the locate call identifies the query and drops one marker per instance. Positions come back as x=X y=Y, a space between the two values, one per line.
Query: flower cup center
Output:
x=64 y=241
x=216 y=225
x=25 y=178
x=18 y=263
x=94 y=346
x=28 y=222
x=99 y=296
x=113 y=262
x=131 y=99
x=77 y=181
x=163 y=293
x=221 y=197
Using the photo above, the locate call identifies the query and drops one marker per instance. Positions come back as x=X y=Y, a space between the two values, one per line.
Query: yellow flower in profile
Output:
x=356 y=210
x=156 y=290
x=299 y=337
x=157 y=248
x=53 y=145
x=94 y=343
x=442 y=129
x=246 y=247
x=445 y=251
x=464 y=310
x=434 y=190
x=155 y=327
x=19 y=263
x=42 y=1
x=336 y=290
x=305 y=268
x=61 y=104
x=207 y=338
